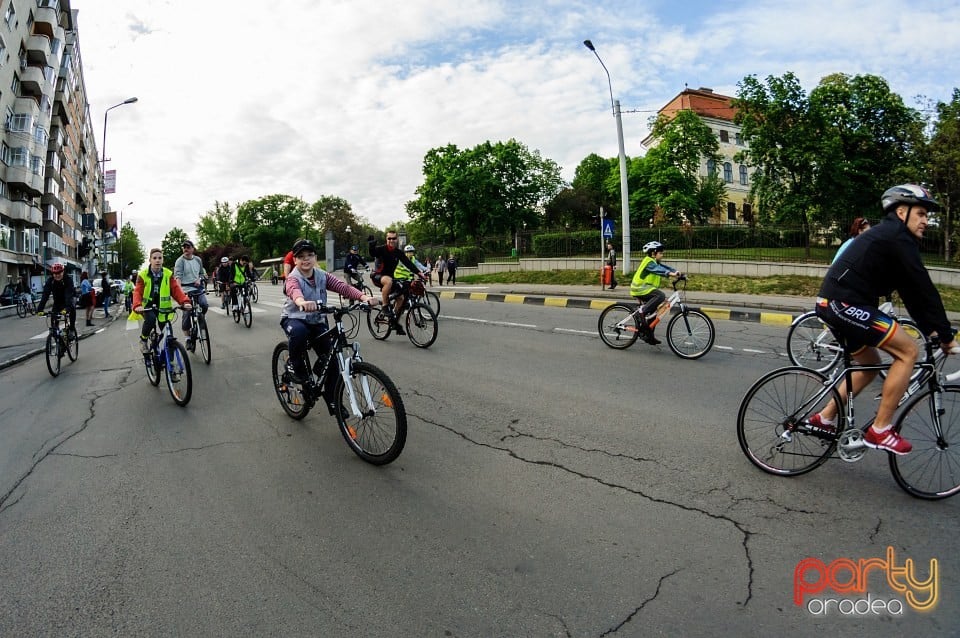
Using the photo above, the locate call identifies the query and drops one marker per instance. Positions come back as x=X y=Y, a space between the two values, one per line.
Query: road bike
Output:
x=26 y=305
x=60 y=342
x=690 y=332
x=775 y=434
x=811 y=344
x=420 y=322
x=198 y=331
x=242 y=309
x=365 y=402
x=168 y=354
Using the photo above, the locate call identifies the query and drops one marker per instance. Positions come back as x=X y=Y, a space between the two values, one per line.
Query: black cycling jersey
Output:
x=387 y=259
x=62 y=292
x=879 y=261
x=352 y=261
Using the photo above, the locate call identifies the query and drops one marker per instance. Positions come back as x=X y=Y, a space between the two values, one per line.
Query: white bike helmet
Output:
x=652 y=246
x=409 y=248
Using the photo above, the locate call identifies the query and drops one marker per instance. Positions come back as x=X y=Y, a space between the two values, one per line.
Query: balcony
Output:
x=38 y=49
x=24 y=212
x=46 y=19
x=51 y=199
x=25 y=179
x=27 y=106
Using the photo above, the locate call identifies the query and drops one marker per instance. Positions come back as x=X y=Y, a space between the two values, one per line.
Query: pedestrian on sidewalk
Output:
x=452 y=271
x=441 y=268
x=612 y=262
x=105 y=291
x=87 y=296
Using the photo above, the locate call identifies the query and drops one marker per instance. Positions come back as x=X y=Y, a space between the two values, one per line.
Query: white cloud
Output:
x=308 y=98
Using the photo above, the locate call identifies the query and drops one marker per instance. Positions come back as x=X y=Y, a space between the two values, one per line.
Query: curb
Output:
x=724 y=314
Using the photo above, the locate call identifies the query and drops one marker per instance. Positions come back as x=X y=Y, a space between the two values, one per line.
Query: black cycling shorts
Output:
x=860 y=326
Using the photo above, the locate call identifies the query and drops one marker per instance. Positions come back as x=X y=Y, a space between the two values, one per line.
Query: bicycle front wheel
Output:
x=377 y=435
x=153 y=367
x=203 y=336
x=810 y=344
x=618 y=326
x=690 y=334
x=73 y=344
x=247 y=311
x=179 y=375
x=932 y=470
x=378 y=322
x=771 y=423
x=421 y=325
x=53 y=354
x=432 y=299
x=290 y=394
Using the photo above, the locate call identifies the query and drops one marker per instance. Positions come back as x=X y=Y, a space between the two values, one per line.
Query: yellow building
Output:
x=717 y=112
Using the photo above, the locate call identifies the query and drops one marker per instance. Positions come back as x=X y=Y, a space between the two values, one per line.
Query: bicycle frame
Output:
x=344 y=362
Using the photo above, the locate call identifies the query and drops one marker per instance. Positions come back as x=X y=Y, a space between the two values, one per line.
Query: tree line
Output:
x=818 y=160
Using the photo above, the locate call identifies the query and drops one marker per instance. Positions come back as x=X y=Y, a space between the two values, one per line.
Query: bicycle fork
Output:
x=346 y=369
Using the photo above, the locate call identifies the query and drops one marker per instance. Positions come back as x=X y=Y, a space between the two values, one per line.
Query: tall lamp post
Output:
x=624 y=195
x=103 y=170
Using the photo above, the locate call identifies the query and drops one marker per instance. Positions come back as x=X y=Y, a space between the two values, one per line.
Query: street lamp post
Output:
x=624 y=194
x=103 y=170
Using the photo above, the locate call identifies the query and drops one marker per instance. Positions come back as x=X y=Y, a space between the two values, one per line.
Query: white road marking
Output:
x=492 y=323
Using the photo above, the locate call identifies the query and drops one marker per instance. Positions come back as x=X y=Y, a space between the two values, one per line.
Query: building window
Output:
x=728 y=172
x=743 y=175
x=19 y=122
x=711 y=168
x=724 y=136
x=10 y=15
x=19 y=156
x=731 y=212
x=739 y=139
x=747 y=213
x=3 y=50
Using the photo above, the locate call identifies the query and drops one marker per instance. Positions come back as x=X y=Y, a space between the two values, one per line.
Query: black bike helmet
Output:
x=302 y=245
x=911 y=195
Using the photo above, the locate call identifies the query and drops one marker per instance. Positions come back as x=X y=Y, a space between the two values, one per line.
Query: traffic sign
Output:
x=607 y=228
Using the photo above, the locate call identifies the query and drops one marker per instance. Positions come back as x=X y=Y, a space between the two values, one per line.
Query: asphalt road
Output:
x=550 y=486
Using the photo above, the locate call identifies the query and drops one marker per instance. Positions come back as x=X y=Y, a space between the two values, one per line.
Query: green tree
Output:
x=270 y=225
x=132 y=255
x=944 y=161
x=489 y=189
x=217 y=227
x=594 y=179
x=335 y=214
x=172 y=246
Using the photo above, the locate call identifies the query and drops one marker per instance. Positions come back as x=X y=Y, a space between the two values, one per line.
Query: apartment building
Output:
x=50 y=203
x=717 y=112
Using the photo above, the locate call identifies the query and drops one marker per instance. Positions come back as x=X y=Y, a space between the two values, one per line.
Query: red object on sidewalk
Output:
x=606 y=275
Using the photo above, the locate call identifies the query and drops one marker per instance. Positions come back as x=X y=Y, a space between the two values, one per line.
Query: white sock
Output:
x=883 y=429
x=826 y=421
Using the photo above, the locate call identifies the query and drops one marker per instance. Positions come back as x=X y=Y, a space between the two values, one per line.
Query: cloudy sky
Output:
x=238 y=100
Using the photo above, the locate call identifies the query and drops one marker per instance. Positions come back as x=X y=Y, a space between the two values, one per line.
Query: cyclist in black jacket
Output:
x=877 y=263
x=353 y=261
x=61 y=289
x=386 y=257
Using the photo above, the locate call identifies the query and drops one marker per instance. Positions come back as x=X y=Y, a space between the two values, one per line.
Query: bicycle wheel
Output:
x=179 y=374
x=421 y=325
x=203 y=337
x=235 y=308
x=247 y=311
x=432 y=300
x=770 y=423
x=21 y=307
x=913 y=331
x=379 y=324
x=153 y=366
x=932 y=470
x=53 y=354
x=73 y=344
x=690 y=334
x=618 y=326
x=810 y=344
x=254 y=293
x=379 y=433
x=290 y=395
x=351 y=324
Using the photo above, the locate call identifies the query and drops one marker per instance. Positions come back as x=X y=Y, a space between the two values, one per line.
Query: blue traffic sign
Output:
x=607 y=227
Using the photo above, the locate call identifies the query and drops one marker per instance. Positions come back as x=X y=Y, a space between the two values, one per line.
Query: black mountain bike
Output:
x=26 y=305
x=199 y=333
x=60 y=342
x=420 y=322
x=365 y=403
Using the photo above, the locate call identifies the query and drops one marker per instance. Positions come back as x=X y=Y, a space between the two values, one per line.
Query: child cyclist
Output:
x=156 y=288
x=645 y=286
x=306 y=289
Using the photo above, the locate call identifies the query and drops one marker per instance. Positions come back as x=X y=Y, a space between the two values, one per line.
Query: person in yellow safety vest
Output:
x=645 y=286
x=156 y=287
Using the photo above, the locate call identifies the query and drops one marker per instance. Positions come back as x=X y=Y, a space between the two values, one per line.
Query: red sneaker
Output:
x=817 y=423
x=890 y=441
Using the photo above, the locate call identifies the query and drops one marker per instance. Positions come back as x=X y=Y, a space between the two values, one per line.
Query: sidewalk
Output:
x=23 y=338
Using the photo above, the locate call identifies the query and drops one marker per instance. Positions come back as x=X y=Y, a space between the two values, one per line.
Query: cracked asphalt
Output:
x=549 y=486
